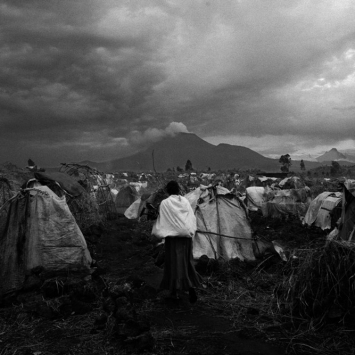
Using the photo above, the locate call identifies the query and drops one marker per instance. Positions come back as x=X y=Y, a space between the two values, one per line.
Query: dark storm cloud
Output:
x=92 y=79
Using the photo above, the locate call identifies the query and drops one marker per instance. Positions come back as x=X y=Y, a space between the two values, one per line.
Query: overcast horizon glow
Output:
x=100 y=79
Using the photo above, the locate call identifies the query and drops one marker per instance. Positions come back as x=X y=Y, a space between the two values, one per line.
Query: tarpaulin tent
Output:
x=39 y=230
x=255 y=197
x=223 y=228
x=287 y=202
x=347 y=226
x=322 y=208
x=125 y=198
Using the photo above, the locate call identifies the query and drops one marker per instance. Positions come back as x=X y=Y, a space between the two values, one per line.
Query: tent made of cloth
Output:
x=286 y=202
x=293 y=182
x=255 y=197
x=347 y=225
x=125 y=197
x=39 y=230
x=223 y=228
x=321 y=209
x=67 y=182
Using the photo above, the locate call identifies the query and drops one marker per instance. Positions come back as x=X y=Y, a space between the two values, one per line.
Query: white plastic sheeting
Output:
x=319 y=210
x=40 y=231
x=223 y=228
x=56 y=242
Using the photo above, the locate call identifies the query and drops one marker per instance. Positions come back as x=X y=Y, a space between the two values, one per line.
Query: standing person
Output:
x=176 y=224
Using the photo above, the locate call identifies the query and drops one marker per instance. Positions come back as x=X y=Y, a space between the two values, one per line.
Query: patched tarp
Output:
x=278 y=209
x=40 y=230
x=286 y=202
x=68 y=183
x=255 y=197
x=223 y=228
x=347 y=227
x=320 y=209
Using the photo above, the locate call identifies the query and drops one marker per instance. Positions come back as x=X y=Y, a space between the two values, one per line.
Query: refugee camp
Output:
x=177 y=177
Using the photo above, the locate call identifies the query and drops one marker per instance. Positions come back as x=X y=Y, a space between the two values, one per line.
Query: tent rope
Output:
x=222 y=235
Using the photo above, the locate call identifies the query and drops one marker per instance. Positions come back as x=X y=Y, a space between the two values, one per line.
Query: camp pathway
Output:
x=177 y=326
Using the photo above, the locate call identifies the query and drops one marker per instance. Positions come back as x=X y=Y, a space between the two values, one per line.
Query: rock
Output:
x=109 y=305
x=122 y=315
x=134 y=328
x=96 y=230
x=252 y=311
x=101 y=320
x=37 y=270
x=122 y=302
x=117 y=291
x=142 y=342
x=145 y=292
x=135 y=281
x=54 y=287
x=81 y=307
x=205 y=265
x=32 y=282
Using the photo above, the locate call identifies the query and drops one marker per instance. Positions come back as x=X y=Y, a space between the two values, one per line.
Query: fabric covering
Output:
x=179 y=272
x=132 y=212
x=176 y=218
x=68 y=183
x=221 y=213
x=275 y=209
x=347 y=228
x=319 y=210
x=255 y=197
x=125 y=198
x=40 y=231
x=286 y=202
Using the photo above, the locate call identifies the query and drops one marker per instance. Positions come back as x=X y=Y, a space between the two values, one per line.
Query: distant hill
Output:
x=331 y=155
x=175 y=151
x=335 y=155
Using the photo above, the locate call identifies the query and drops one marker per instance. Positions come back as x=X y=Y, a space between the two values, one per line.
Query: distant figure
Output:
x=176 y=224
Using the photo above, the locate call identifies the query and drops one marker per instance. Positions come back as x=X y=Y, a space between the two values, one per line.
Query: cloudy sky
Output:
x=99 y=79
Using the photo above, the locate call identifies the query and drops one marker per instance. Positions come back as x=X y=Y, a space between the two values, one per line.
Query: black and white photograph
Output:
x=177 y=177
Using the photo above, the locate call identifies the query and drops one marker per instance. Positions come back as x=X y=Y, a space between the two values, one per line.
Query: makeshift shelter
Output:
x=347 y=225
x=286 y=202
x=146 y=205
x=255 y=197
x=324 y=210
x=97 y=184
x=293 y=182
x=223 y=229
x=82 y=203
x=125 y=198
x=39 y=231
x=5 y=190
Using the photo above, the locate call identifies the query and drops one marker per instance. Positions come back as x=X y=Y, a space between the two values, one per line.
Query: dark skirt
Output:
x=179 y=270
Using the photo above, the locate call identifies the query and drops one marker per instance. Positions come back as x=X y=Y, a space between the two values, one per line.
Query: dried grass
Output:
x=320 y=283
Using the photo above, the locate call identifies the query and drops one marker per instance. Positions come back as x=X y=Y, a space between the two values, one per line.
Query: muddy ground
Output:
x=119 y=309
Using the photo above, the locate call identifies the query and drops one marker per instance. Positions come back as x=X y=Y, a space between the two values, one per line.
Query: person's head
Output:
x=172 y=188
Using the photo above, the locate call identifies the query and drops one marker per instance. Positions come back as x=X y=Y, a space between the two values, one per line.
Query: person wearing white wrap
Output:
x=176 y=224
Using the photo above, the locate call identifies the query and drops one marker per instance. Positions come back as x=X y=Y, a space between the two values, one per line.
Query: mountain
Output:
x=175 y=151
x=335 y=155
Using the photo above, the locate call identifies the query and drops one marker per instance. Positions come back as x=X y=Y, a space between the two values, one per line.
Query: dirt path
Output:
x=177 y=326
